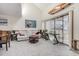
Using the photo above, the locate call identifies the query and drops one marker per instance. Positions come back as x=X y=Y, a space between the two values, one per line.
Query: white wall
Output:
x=29 y=12
x=76 y=22
x=11 y=21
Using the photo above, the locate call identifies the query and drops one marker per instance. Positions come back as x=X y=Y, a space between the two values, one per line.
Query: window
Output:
x=48 y=26
x=3 y=22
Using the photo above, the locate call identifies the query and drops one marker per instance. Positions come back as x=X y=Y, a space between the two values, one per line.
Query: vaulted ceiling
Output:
x=11 y=9
x=14 y=9
x=43 y=6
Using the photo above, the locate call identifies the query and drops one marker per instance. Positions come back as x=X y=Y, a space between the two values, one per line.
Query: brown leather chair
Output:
x=5 y=39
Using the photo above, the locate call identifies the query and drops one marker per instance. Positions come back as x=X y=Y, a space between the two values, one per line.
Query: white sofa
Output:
x=24 y=34
x=24 y=37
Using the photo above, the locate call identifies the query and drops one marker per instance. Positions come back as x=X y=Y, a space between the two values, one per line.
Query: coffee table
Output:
x=33 y=39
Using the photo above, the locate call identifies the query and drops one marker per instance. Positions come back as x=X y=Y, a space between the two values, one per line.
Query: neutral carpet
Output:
x=42 y=48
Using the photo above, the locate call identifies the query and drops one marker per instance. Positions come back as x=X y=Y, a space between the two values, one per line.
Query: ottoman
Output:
x=33 y=39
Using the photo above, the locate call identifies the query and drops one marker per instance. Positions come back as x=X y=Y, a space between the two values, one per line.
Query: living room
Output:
x=24 y=21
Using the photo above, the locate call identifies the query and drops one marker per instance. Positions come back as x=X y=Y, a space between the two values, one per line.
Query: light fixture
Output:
x=58 y=8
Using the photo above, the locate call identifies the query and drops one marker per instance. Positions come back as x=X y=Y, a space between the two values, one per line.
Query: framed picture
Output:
x=3 y=22
x=30 y=23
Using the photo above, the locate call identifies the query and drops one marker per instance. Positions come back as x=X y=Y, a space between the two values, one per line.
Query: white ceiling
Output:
x=11 y=9
x=43 y=6
x=14 y=9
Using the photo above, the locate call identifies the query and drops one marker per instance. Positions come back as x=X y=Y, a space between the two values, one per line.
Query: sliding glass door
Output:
x=59 y=26
x=48 y=26
x=66 y=23
x=59 y=29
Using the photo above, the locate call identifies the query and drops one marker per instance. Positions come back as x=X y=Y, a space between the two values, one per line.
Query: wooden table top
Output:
x=3 y=35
